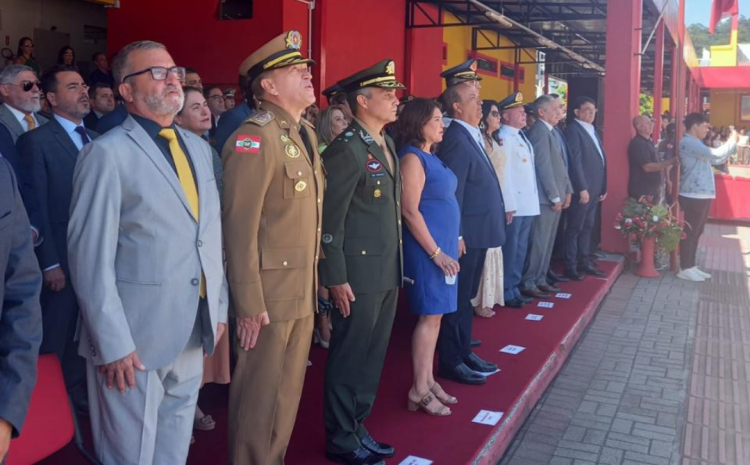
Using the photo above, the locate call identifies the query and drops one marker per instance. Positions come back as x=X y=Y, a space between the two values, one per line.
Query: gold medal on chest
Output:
x=300 y=186
x=377 y=193
x=292 y=151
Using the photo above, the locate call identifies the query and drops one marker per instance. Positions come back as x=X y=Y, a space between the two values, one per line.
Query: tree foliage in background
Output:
x=646 y=105
x=703 y=39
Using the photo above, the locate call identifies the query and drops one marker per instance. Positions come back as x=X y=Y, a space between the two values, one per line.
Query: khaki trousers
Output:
x=265 y=392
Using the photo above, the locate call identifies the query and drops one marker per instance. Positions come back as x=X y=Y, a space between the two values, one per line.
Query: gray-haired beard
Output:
x=163 y=106
x=30 y=107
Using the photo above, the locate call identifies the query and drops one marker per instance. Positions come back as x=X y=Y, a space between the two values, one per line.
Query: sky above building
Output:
x=699 y=11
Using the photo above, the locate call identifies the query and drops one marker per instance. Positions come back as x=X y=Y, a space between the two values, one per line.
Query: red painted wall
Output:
x=194 y=35
x=425 y=47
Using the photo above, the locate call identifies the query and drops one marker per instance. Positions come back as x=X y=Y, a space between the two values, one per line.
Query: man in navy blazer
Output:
x=482 y=219
x=20 y=325
x=588 y=174
x=48 y=156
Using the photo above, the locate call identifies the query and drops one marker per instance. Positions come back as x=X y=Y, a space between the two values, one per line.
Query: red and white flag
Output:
x=719 y=8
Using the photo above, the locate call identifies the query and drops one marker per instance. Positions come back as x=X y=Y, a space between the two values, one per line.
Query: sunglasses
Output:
x=28 y=85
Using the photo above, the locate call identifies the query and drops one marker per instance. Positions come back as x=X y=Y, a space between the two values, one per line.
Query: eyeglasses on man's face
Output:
x=26 y=86
x=160 y=73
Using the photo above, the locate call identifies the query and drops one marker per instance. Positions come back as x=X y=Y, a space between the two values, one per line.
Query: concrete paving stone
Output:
x=561 y=461
x=576 y=454
x=625 y=446
x=610 y=456
x=662 y=448
x=629 y=438
x=574 y=433
x=622 y=426
x=645 y=458
x=595 y=437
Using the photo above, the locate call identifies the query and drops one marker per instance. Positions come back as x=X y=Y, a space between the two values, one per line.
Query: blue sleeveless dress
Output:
x=430 y=294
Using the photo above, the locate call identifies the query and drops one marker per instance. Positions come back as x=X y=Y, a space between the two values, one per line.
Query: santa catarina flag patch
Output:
x=247 y=144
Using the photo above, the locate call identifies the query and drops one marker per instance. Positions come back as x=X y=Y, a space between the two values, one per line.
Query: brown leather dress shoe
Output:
x=535 y=293
x=548 y=288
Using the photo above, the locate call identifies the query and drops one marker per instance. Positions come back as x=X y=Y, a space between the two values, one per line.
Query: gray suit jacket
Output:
x=552 y=177
x=9 y=121
x=20 y=313
x=136 y=252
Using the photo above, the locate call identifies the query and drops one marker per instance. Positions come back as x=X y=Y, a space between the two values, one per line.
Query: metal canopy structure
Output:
x=576 y=25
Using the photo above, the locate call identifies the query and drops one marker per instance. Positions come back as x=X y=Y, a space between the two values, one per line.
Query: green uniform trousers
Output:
x=355 y=362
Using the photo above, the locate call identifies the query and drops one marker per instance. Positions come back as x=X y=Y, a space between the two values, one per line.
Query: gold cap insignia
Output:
x=473 y=66
x=294 y=40
x=519 y=97
x=390 y=68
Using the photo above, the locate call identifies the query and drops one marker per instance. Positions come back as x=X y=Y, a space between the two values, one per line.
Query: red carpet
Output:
x=732 y=192
x=452 y=440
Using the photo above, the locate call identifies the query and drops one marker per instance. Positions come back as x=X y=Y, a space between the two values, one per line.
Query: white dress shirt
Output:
x=591 y=131
x=20 y=117
x=70 y=128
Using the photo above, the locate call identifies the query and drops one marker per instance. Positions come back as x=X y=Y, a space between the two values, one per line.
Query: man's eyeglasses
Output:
x=28 y=85
x=160 y=73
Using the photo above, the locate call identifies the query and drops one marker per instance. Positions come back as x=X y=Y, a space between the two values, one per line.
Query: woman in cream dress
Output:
x=490 y=291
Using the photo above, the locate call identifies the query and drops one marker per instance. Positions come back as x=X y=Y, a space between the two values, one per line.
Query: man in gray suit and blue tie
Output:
x=144 y=244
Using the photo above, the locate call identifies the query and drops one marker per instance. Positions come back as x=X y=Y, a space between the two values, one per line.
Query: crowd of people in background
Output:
x=146 y=188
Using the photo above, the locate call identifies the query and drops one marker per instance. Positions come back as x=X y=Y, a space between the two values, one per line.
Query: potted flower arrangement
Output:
x=651 y=225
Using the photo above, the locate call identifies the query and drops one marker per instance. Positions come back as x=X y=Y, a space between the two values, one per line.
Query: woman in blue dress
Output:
x=431 y=227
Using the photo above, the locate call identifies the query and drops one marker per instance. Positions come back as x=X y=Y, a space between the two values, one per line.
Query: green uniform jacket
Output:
x=361 y=215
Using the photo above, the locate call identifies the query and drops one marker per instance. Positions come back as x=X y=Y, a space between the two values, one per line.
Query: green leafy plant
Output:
x=642 y=219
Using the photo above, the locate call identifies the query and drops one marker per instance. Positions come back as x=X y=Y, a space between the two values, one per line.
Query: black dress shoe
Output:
x=590 y=270
x=377 y=448
x=548 y=288
x=360 y=456
x=536 y=294
x=475 y=343
x=461 y=374
x=573 y=275
x=552 y=276
x=476 y=363
x=515 y=303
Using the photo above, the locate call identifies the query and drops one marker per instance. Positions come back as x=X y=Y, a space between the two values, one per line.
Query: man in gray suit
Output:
x=554 y=195
x=20 y=316
x=21 y=92
x=144 y=246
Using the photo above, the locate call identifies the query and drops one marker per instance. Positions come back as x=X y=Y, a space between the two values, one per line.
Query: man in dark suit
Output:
x=48 y=156
x=20 y=317
x=102 y=100
x=232 y=119
x=588 y=174
x=482 y=219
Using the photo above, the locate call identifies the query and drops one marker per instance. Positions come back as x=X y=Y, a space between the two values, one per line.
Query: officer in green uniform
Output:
x=363 y=263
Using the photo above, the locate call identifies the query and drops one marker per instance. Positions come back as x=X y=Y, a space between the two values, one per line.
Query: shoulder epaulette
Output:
x=304 y=121
x=260 y=118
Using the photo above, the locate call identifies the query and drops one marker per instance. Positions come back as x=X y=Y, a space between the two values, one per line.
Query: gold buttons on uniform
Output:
x=318 y=199
x=378 y=183
x=364 y=252
x=285 y=263
x=299 y=173
x=399 y=222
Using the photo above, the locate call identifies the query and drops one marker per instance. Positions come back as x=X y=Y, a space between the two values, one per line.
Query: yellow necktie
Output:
x=30 y=121
x=186 y=180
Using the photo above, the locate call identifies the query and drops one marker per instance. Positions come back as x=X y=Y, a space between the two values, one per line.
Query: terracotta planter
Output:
x=646 y=268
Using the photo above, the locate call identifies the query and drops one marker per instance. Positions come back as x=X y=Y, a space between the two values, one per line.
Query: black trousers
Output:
x=59 y=320
x=580 y=224
x=355 y=362
x=454 y=342
x=696 y=215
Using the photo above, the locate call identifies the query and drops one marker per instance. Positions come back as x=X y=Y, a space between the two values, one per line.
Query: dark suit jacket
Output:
x=229 y=122
x=20 y=314
x=91 y=120
x=478 y=192
x=49 y=158
x=111 y=119
x=9 y=152
x=586 y=168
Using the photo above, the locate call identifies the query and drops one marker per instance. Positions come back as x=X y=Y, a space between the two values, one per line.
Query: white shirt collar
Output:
x=473 y=130
x=591 y=131
x=513 y=130
x=587 y=126
x=20 y=117
x=549 y=126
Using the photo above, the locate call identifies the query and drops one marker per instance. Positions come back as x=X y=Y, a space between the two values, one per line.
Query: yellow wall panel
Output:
x=458 y=45
x=725 y=108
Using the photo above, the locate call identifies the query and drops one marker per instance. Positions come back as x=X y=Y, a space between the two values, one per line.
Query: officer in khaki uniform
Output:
x=273 y=193
x=363 y=261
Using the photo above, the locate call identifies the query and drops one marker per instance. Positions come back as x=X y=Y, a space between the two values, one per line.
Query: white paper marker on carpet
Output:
x=412 y=460
x=546 y=304
x=486 y=417
x=513 y=350
x=532 y=317
x=563 y=295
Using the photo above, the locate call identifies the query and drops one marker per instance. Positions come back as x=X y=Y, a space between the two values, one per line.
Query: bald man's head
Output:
x=643 y=125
